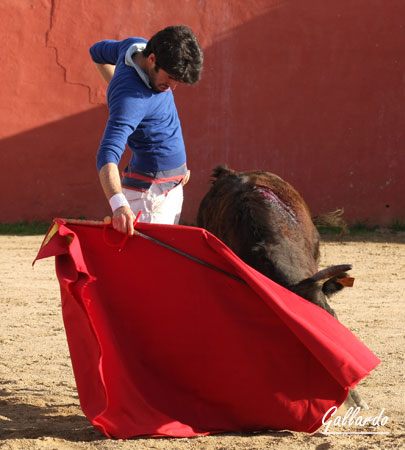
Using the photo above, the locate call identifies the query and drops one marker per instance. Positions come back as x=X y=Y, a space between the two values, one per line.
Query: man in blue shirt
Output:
x=142 y=114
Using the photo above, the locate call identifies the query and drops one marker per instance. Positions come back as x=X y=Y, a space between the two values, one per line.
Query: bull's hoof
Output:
x=355 y=400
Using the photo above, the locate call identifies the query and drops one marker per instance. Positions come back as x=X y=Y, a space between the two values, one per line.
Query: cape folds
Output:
x=162 y=345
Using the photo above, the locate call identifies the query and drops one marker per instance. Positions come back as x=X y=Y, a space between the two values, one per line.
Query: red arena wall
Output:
x=312 y=91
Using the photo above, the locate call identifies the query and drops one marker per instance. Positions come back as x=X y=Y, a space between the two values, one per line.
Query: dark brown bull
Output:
x=266 y=222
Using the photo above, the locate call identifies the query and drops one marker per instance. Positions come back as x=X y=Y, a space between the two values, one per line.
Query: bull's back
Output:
x=265 y=221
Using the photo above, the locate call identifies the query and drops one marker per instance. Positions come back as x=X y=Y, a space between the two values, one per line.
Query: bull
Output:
x=267 y=223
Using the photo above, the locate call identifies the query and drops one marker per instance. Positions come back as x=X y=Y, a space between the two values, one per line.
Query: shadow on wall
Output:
x=50 y=171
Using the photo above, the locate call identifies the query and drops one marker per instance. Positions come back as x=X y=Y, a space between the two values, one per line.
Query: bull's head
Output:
x=324 y=284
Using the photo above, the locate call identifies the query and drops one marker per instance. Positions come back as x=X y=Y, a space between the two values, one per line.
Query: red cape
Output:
x=163 y=345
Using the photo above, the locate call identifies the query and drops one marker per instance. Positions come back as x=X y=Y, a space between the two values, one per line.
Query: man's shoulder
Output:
x=133 y=40
x=137 y=39
x=125 y=44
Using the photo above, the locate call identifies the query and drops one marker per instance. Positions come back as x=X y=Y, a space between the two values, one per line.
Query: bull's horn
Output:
x=331 y=272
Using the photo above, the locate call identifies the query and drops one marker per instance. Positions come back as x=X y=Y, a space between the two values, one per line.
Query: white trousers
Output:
x=156 y=206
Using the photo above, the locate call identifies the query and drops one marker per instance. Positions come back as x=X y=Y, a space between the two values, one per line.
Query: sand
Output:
x=39 y=405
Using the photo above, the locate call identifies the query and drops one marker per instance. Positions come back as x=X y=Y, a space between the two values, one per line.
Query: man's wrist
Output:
x=118 y=200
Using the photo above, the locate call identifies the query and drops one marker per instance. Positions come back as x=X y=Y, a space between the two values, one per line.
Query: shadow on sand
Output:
x=20 y=420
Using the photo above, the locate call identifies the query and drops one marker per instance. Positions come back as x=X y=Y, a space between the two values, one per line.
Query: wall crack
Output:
x=57 y=58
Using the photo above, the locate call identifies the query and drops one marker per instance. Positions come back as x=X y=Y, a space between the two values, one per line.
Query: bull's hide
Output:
x=163 y=345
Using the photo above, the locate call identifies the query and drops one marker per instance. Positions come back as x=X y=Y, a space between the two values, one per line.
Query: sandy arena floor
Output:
x=39 y=406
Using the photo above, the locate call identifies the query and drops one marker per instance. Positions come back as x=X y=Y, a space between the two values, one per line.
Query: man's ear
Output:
x=152 y=60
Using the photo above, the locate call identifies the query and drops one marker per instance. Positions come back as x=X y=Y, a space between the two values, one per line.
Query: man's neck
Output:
x=140 y=61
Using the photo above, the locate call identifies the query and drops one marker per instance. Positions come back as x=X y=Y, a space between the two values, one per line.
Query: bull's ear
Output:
x=334 y=276
x=331 y=286
x=336 y=284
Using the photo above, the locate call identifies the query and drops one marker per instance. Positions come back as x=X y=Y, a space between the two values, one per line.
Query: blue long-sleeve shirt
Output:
x=145 y=120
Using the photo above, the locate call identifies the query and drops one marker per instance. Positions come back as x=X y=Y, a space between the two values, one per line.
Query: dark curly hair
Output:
x=177 y=52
